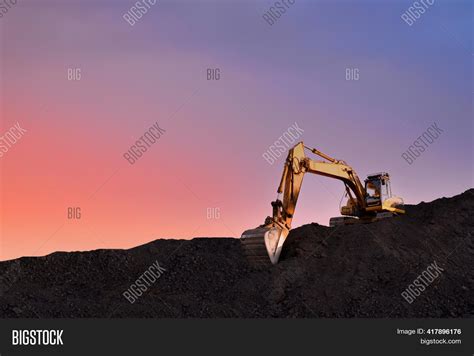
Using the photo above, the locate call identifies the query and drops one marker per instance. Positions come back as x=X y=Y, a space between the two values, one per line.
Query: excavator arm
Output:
x=269 y=237
x=297 y=165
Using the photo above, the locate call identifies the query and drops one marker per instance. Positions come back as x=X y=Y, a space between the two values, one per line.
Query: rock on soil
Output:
x=347 y=271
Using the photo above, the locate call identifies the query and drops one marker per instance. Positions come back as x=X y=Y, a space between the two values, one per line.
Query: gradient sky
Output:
x=217 y=131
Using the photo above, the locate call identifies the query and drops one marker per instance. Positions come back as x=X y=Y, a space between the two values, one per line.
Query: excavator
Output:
x=365 y=204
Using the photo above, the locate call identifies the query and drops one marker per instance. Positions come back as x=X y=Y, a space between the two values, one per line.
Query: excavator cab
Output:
x=379 y=194
x=377 y=188
x=379 y=203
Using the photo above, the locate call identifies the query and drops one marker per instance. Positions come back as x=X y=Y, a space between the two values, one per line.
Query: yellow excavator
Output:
x=366 y=203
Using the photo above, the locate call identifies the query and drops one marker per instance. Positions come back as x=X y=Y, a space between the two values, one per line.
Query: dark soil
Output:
x=348 y=271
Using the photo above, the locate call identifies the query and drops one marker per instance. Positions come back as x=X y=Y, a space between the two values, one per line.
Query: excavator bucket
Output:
x=264 y=243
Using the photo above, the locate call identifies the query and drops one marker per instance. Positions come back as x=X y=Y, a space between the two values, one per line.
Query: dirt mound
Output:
x=348 y=271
